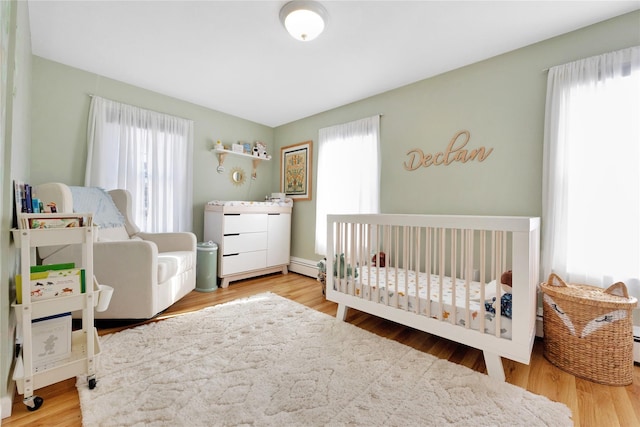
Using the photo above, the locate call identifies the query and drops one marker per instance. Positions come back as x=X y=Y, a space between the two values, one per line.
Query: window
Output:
x=591 y=188
x=147 y=153
x=348 y=173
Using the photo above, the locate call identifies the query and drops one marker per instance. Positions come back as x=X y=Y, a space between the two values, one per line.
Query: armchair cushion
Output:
x=172 y=264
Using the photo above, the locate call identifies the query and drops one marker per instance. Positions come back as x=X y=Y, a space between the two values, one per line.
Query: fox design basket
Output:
x=588 y=331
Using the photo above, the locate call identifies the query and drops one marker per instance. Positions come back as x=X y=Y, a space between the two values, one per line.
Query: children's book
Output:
x=51 y=281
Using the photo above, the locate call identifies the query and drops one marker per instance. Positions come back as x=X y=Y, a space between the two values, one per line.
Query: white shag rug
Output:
x=268 y=361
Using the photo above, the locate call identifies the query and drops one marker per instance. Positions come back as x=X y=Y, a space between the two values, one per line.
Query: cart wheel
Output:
x=33 y=403
x=92 y=383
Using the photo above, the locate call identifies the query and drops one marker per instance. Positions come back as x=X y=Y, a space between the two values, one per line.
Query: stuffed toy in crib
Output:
x=344 y=268
x=506 y=299
x=322 y=274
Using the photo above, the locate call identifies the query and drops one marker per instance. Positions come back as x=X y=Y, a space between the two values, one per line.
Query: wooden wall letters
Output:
x=455 y=152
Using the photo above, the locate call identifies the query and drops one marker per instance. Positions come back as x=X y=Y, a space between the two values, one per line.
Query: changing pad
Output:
x=287 y=202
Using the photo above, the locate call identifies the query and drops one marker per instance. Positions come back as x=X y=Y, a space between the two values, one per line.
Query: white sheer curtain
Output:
x=147 y=153
x=348 y=172
x=591 y=185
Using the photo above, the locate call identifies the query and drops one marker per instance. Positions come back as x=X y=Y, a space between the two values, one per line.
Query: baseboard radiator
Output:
x=304 y=266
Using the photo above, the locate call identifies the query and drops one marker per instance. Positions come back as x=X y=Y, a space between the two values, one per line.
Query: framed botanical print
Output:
x=296 y=170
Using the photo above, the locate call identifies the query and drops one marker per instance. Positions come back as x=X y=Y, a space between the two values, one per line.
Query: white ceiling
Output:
x=235 y=56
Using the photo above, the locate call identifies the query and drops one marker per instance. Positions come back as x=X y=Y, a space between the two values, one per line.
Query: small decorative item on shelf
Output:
x=247 y=148
x=238 y=148
x=218 y=145
x=260 y=149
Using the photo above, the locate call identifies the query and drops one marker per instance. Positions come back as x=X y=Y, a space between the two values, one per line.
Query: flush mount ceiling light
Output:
x=304 y=20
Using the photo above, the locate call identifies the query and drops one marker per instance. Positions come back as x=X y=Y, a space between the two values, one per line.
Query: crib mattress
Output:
x=397 y=288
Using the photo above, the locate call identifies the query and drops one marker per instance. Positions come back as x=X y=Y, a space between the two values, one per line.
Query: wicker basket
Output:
x=588 y=331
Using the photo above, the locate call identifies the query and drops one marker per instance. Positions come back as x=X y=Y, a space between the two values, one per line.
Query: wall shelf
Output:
x=221 y=153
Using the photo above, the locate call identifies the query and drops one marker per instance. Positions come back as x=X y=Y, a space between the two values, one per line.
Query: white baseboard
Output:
x=539 y=318
x=6 y=399
x=304 y=266
x=6 y=402
x=539 y=330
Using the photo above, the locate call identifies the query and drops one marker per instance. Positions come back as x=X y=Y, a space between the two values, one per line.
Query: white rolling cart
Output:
x=84 y=342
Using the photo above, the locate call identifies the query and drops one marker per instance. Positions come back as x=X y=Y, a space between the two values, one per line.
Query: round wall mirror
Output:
x=237 y=176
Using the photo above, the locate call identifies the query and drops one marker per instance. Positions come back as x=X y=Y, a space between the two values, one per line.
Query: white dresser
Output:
x=253 y=238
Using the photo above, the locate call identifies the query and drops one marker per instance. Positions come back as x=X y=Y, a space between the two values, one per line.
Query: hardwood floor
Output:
x=591 y=404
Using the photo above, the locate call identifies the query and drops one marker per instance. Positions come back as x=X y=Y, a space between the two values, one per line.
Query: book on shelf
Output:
x=18 y=188
x=25 y=202
x=51 y=221
x=37 y=205
x=28 y=202
x=51 y=281
x=51 y=339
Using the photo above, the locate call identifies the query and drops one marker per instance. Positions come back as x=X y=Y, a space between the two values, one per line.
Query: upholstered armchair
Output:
x=148 y=271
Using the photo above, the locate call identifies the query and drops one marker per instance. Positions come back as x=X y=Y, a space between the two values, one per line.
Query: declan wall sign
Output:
x=456 y=151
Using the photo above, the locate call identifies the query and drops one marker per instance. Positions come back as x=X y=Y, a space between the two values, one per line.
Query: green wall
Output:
x=61 y=97
x=500 y=101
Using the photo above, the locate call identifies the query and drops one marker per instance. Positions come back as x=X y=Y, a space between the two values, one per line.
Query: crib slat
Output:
x=338 y=250
x=370 y=291
x=365 y=289
x=387 y=248
x=349 y=251
x=499 y=268
x=396 y=263
x=427 y=269
x=405 y=260
x=360 y=247
x=483 y=266
x=452 y=315
x=417 y=257
x=442 y=272
x=468 y=270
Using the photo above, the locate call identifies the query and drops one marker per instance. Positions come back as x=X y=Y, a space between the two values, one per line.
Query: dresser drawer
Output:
x=247 y=261
x=244 y=223
x=245 y=242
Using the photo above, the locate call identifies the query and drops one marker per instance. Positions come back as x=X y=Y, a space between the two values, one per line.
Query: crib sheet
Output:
x=398 y=286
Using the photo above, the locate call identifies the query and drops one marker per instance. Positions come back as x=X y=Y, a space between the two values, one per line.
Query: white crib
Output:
x=437 y=273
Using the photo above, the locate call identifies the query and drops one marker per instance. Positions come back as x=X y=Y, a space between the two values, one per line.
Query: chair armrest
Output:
x=171 y=242
x=130 y=263
x=130 y=267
